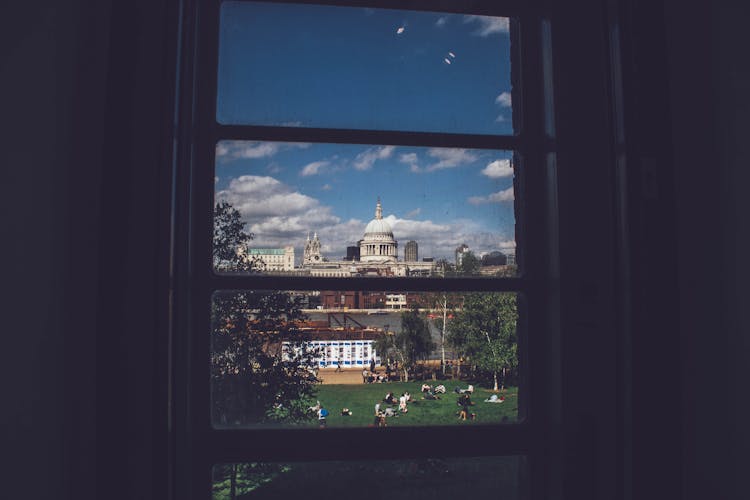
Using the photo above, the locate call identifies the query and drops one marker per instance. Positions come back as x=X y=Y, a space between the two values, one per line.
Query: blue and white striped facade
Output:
x=351 y=353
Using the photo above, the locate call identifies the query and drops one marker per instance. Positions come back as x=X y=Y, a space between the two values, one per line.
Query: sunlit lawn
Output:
x=361 y=399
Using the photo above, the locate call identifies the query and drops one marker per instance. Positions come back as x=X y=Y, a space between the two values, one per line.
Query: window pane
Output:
x=362 y=68
x=432 y=478
x=348 y=210
x=363 y=359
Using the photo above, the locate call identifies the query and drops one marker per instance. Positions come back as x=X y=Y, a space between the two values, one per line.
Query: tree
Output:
x=260 y=362
x=253 y=379
x=485 y=331
x=444 y=268
x=469 y=264
x=445 y=304
x=412 y=343
x=230 y=240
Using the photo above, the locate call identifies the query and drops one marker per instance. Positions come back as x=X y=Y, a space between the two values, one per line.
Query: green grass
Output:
x=361 y=399
x=451 y=479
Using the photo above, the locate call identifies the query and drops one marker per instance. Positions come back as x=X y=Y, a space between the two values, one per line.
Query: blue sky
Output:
x=349 y=67
x=366 y=68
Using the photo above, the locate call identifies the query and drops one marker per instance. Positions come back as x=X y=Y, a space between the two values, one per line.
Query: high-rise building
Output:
x=460 y=251
x=352 y=253
x=411 y=251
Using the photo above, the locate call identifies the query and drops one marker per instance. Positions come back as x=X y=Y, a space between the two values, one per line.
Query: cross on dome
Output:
x=378 y=210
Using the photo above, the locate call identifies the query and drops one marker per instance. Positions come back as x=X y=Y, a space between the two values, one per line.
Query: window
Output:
x=490 y=113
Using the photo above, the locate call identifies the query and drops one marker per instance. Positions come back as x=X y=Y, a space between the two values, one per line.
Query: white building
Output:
x=329 y=353
x=378 y=255
x=395 y=301
x=378 y=244
x=273 y=259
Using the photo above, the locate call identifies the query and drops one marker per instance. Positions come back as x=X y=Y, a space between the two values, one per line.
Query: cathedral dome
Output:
x=378 y=228
x=378 y=244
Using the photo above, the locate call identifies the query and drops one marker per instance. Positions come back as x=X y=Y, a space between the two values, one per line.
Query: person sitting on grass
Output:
x=390 y=399
x=379 y=417
x=390 y=412
x=440 y=389
x=402 y=403
x=464 y=400
x=346 y=412
x=430 y=395
x=495 y=399
x=322 y=414
x=408 y=396
x=426 y=388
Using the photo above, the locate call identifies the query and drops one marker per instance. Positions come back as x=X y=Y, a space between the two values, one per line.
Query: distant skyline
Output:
x=324 y=66
x=439 y=197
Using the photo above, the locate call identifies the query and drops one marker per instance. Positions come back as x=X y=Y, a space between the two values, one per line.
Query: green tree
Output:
x=411 y=344
x=444 y=268
x=252 y=378
x=469 y=264
x=485 y=332
x=261 y=364
x=230 y=240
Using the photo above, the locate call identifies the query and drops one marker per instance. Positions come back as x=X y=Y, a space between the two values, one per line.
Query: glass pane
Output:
x=363 y=359
x=349 y=210
x=362 y=68
x=415 y=479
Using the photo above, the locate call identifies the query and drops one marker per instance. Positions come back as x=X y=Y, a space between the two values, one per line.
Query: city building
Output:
x=411 y=252
x=460 y=252
x=376 y=254
x=271 y=259
x=378 y=244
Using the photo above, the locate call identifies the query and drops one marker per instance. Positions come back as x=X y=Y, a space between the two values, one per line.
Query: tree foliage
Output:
x=469 y=264
x=412 y=343
x=252 y=380
x=484 y=331
x=230 y=240
x=260 y=363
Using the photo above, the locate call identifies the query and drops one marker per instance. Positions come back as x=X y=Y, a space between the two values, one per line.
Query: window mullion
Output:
x=365 y=136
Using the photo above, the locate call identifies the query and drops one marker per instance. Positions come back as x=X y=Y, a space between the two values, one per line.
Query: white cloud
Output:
x=274 y=212
x=449 y=158
x=500 y=118
x=499 y=197
x=441 y=21
x=326 y=187
x=313 y=168
x=410 y=159
x=279 y=215
x=249 y=150
x=488 y=25
x=504 y=100
x=366 y=159
x=498 y=169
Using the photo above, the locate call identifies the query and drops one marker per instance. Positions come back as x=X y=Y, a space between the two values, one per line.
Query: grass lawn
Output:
x=361 y=399
x=449 y=479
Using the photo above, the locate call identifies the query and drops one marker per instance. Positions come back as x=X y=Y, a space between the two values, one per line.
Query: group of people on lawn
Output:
x=428 y=393
x=389 y=411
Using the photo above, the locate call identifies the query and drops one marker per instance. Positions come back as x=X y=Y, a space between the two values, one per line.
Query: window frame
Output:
x=198 y=446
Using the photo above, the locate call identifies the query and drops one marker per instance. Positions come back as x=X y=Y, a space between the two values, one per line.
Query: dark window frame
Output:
x=198 y=446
